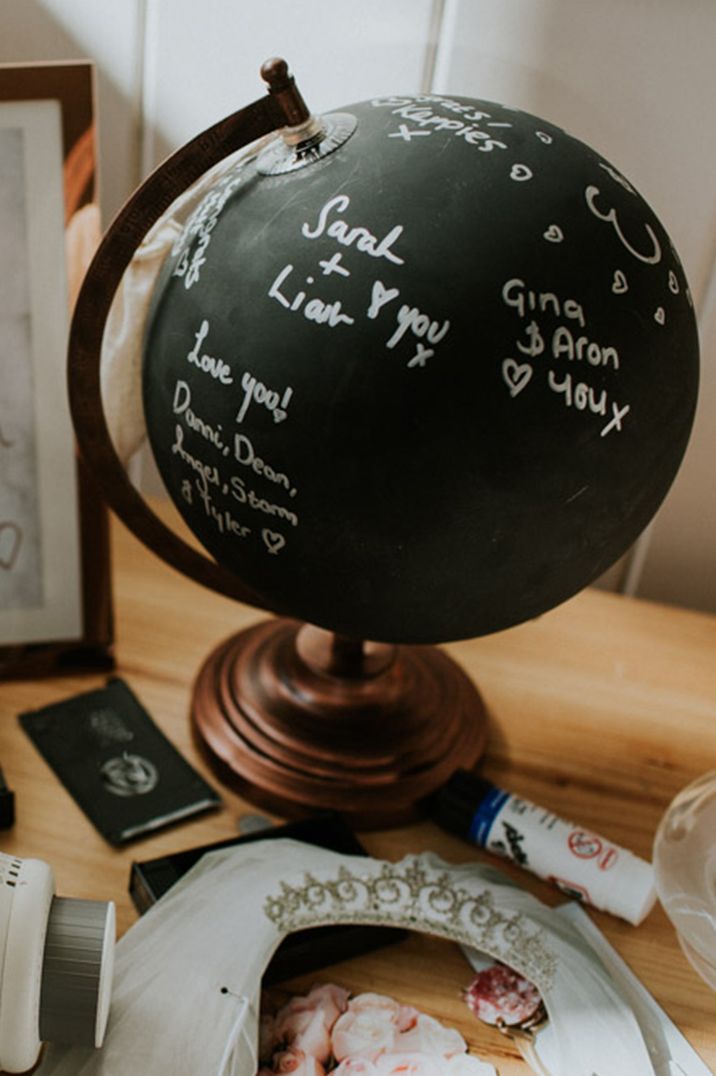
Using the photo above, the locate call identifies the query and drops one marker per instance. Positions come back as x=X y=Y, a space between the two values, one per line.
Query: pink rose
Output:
x=404 y=1014
x=368 y=1027
x=332 y=1000
x=407 y=1017
x=428 y=1036
x=306 y=1022
x=295 y=1061
x=499 y=993
x=306 y=1031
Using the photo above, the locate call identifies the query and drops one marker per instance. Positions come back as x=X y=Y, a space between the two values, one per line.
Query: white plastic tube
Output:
x=583 y=864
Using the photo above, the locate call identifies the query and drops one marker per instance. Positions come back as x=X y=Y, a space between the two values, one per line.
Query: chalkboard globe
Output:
x=430 y=384
x=411 y=372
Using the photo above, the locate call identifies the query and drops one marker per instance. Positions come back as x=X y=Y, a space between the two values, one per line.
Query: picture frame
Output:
x=55 y=591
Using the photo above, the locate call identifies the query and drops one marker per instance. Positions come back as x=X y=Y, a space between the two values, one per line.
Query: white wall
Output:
x=635 y=78
x=199 y=69
x=111 y=34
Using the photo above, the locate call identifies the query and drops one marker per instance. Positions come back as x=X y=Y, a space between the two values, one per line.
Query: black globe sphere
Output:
x=429 y=385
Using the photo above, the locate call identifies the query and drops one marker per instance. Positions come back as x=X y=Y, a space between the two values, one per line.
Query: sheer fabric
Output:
x=187 y=978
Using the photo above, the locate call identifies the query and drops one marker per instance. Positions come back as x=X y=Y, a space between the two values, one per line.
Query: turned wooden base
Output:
x=304 y=720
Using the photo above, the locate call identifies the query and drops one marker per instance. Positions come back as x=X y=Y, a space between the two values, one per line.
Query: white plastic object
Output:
x=578 y=861
x=56 y=958
x=584 y=864
x=685 y=867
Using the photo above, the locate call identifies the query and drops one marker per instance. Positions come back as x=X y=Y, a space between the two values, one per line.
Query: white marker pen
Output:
x=580 y=863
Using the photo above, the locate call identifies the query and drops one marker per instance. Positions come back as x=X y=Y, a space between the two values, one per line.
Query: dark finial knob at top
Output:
x=282 y=87
x=275 y=73
x=306 y=138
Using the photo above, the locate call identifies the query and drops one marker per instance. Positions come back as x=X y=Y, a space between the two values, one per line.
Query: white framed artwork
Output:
x=49 y=225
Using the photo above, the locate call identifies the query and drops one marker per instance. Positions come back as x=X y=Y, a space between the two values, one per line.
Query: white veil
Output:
x=188 y=973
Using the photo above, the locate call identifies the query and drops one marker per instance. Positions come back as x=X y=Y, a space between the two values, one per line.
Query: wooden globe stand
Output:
x=311 y=720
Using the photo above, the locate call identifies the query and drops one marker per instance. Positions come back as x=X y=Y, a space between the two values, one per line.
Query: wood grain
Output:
x=600 y=710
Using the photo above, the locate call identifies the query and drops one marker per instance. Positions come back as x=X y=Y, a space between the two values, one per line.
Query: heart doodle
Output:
x=517 y=375
x=520 y=172
x=554 y=234
x=619 y=284
x=673 y=282
x=273 y=541
x=660 y=316
x=544 y=137
x=10 y=542
x=278 y=414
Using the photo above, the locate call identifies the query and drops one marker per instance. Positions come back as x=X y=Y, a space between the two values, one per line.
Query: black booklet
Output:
x=116 y=763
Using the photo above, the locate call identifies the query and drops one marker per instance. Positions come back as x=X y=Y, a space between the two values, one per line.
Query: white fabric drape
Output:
x=123 y=337
x=188 y=974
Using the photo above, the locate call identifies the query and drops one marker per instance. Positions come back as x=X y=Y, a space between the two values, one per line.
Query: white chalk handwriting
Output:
x=243 y=449
x=524 y=300
x=410 y=324
x=334 y=264
x=583 y=397
x=411 y=319
x=201 y=223
x=520 y=173
x=380 y=295
x=273 y=540
x=245 y=454
x=564 y=345
x=652 y=257
x=563 y=342
x=256 y=392
x=220 y=516
x=516 y=375
x=315 y=309
x=181 y=406
x=217 y=368
x=615 y=423
x=209 y=486
x=426 y=113
x=251 y=499
x=620 y=284
x=207 y=473
x=407 y=134
x=357 y=235
x=534 y=344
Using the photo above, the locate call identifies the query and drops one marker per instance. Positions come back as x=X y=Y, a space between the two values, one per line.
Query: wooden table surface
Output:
x=600 y=710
